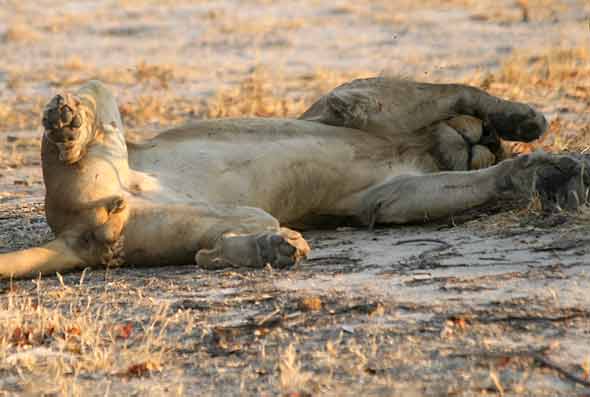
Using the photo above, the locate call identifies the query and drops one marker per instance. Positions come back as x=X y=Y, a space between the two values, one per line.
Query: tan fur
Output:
x=217 y=191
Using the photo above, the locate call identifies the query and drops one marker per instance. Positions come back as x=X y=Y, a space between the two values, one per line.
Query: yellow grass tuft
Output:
x=556 y=82
x=292 y=379
x=264 y=94
x=161 y=74
x=21 y=33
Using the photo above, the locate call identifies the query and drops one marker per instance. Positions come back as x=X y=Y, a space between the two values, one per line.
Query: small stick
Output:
x=554 y=366
x=535 y=354
x=566 y=317
x=502 y=354
x=423 y=240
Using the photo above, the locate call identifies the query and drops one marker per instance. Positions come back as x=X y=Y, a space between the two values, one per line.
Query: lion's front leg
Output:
x=390 y=107
x=80 y=245
x=280 y=249
x=215 y=236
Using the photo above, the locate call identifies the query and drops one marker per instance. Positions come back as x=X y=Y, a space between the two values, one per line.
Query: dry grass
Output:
x=53 y=336
x=16 y=152
x=21 y=33
x=391 y=13
x=253 y=27
x=20 y=113
x=260 y=94
x=152 y=110
x=292 y=379
x=69 y=21
x=526 y=11
x=264 y=94
x=556 y=82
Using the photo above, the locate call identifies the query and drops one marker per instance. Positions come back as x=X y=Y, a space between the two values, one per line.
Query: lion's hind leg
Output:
x=71 y=120
x=561 y=182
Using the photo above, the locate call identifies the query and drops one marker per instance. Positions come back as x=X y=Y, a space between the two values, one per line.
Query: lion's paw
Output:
x=560 y=181
x=68 y=126
x=61 y=117
x=467 y=143
x=282 y=249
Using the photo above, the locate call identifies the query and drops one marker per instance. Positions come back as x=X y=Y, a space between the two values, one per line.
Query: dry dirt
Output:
x=494 y=303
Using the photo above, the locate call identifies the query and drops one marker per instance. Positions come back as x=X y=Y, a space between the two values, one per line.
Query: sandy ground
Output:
x=494 y=303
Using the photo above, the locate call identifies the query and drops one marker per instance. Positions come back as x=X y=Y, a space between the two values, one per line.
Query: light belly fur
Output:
x=295 y=170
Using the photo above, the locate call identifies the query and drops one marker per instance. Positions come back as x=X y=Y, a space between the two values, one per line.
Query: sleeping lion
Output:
x=222 y=193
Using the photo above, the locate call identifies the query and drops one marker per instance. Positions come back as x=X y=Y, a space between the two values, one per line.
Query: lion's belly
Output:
x=303 y=168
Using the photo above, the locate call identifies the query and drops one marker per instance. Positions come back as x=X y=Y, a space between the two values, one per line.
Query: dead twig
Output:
x=444 y=245
x=544 y=361
x=502 y=354
x=538 y=355
x=423 y=240
x=486 y=318
x=570 y=316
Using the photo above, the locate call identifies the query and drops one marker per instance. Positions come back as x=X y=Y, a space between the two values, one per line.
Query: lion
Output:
x=229 y=192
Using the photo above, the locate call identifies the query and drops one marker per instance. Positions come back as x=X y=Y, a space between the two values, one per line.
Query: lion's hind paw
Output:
x=61 y=117
x=559 y=181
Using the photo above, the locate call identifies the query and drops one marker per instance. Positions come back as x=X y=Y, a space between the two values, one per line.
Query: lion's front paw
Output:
x=561 y=181
x=281 y=250
x=467 y=143
x=523 y=124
